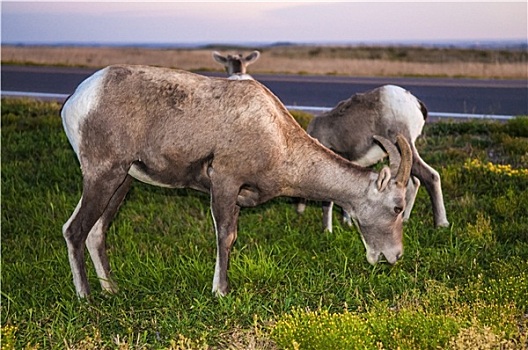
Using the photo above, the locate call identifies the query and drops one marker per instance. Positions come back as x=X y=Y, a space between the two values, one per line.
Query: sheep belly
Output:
x=136 y=172
x=194 y=175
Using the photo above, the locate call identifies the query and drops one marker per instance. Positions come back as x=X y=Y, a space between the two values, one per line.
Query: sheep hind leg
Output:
x=410 y=196
x=300 y=205
x=431 y=180
x=225 y=212
x=346 y=217
x=327 y=216
x=95 y=241
x=97 y=194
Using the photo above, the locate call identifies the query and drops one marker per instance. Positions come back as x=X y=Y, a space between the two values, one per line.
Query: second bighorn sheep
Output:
x=235 y=65
x=387 y=111
x=232 y=139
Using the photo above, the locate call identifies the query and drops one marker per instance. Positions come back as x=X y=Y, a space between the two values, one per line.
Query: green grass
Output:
x=293 y=286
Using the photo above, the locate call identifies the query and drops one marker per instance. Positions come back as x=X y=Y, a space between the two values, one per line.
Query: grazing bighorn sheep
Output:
x=232 y=139
x=235 y=65
x=387 y=111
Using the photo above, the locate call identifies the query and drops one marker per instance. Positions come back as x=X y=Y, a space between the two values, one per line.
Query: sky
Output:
x=40 y=22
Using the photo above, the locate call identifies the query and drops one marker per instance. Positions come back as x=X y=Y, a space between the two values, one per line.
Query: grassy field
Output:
x=353 y=61
x=463 y=287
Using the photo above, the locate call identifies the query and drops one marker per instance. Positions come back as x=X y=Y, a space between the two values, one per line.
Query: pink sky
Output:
x=191 y=22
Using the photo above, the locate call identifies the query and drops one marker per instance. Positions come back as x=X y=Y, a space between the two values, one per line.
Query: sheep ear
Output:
x=217 y=56
x=252 y=57
x=384 y=177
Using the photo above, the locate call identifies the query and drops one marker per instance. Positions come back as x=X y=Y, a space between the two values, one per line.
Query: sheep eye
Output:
x=398 y=210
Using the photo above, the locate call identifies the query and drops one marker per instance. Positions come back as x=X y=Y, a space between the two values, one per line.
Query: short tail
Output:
x=424 y=110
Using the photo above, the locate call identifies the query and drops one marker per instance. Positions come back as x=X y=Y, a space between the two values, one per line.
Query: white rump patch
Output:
x=79 y=105
x=240 y=77
x=404 y=107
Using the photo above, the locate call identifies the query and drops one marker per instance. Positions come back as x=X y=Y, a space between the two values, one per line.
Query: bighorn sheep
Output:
x=235 y=65
x=387 y=111
x=232 y=139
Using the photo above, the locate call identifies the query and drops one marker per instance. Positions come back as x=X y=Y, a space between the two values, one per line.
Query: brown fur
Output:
x=348 y=128
x=232 y=139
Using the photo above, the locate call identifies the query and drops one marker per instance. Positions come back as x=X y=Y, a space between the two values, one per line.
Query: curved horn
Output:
x=399 y=165
x=404 y=172
x=392 y=151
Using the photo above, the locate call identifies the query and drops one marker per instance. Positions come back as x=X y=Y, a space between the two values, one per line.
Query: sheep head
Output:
x=380 y=218
x=236 y=64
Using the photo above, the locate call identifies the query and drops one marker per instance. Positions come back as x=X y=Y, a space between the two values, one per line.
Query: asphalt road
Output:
x=468 y=96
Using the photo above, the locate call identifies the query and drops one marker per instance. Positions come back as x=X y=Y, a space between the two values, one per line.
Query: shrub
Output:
x=302 y=118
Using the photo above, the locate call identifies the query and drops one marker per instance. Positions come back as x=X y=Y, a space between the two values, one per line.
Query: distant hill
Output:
x=514 y=44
